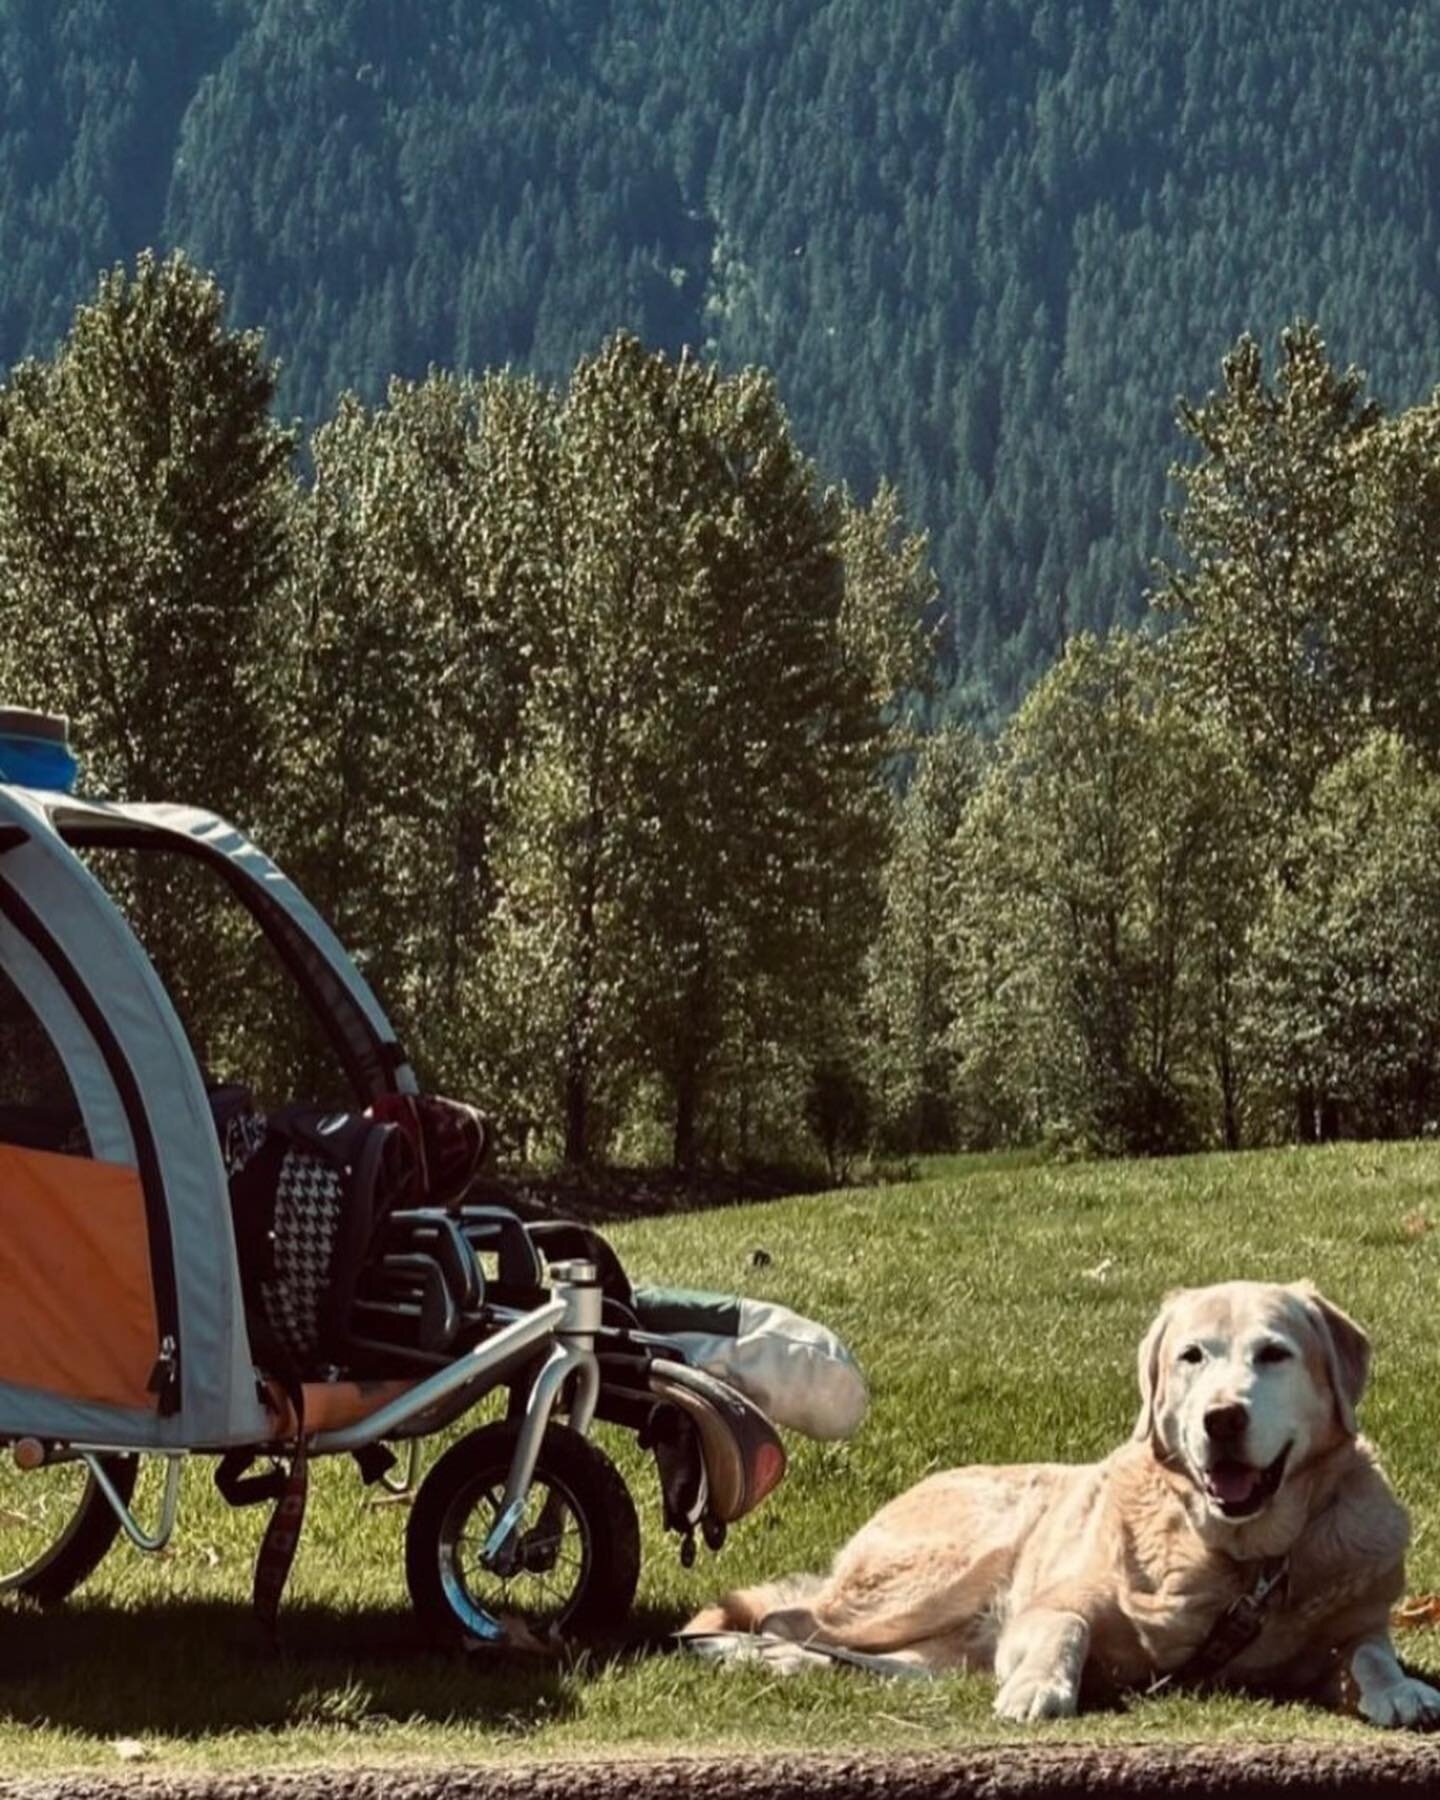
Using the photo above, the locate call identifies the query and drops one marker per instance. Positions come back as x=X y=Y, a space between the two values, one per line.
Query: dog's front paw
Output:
x=778 y=1654
x=787 y=1658
x=1027 y=1696
x=1409 y=1704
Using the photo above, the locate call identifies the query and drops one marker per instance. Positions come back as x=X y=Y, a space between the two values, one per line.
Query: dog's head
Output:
x=1241 y=1384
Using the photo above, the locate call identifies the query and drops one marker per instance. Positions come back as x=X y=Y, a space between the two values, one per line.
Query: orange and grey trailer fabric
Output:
x=122 y=1322
x=79 y=1319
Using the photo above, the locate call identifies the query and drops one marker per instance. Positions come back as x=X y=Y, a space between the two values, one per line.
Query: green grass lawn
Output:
x=996 y=1307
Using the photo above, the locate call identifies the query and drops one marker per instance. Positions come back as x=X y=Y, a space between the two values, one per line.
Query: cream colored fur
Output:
x=1068 y=1580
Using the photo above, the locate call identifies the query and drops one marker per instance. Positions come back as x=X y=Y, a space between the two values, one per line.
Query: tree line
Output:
x=591 y=717
x=572 y=707
x=1190 y=895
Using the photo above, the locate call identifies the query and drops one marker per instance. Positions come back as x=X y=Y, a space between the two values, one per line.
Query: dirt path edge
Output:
x=1236 y=1772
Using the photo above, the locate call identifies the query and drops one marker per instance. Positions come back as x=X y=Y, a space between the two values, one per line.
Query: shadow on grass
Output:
x=191 y=1670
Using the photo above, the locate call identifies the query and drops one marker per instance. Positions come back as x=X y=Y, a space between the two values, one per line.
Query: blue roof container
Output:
x=35 y=750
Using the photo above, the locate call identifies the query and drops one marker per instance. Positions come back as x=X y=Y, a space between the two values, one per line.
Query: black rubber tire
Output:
x=81 y=1543
x=597 y=1499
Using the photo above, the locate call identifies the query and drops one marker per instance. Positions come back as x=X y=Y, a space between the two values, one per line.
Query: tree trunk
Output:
x=577 y=1060
x=577 y=1106
x=694 y=1052
x=686 y=1111
x=1229 y=1094
x=1229 y=1117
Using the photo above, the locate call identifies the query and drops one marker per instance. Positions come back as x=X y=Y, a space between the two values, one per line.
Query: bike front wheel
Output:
x=573 y=1562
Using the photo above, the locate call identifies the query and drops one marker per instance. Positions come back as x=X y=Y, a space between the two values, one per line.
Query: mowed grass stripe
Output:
x=996 y=1305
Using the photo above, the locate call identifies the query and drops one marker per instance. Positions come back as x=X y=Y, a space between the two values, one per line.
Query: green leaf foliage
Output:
x=1098 y=875
x=572 y=708
x=1193 y=894
x=592 y=717
x=144 y=490
x=697 y=811
x=907 y=1006
x=1345 y=1003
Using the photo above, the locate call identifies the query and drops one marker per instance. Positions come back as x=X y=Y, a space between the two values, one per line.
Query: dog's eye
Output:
x=1192 y=1353
x=1273 y=1353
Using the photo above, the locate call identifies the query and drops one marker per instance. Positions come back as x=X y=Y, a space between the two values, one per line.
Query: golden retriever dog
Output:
x=1243 y=1490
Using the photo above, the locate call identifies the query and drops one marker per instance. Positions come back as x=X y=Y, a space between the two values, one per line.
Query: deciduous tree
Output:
x=1344 y=1004
x=1091 y=862
x=1266 y=521
x=144 y=492
x=908 y=992
x=406 y=665
x=698 y=811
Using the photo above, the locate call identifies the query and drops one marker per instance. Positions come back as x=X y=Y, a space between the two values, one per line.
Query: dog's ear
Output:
x=1347 y=1352
x=1149 y=1369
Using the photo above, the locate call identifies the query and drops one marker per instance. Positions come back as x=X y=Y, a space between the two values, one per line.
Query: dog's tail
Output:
x=778 y=1607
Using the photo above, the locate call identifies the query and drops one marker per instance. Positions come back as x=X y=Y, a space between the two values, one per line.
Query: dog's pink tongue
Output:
x=1233 y=1482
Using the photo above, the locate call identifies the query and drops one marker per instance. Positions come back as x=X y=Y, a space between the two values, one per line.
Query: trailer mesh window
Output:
x=247 y=1022
x=38 y=1109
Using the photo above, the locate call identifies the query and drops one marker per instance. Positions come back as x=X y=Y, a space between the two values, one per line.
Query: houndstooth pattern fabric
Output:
x=309 y=1201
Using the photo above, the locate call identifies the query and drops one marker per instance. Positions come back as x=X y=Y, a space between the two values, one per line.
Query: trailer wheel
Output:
x=56 y=1526
x=575 y=1560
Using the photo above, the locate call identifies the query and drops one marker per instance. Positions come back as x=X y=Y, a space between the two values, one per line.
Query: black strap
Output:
x=282 y=1534
x=1236 y=1629
x=239 y=1487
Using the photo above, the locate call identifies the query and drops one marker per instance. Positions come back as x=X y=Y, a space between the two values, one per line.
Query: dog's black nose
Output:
x=1223 y=1424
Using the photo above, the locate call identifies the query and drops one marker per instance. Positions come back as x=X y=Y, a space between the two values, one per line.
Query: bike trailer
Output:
x=123 y=1321
x=184 y=1272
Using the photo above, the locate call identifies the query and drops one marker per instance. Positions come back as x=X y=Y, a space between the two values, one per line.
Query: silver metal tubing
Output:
x=587 y=1395
x=169 y=1503
x=565 y=1360
x=578 y=1285
x=487 y=1362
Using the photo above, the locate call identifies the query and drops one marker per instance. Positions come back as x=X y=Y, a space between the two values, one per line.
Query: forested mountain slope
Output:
x=983 y=243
